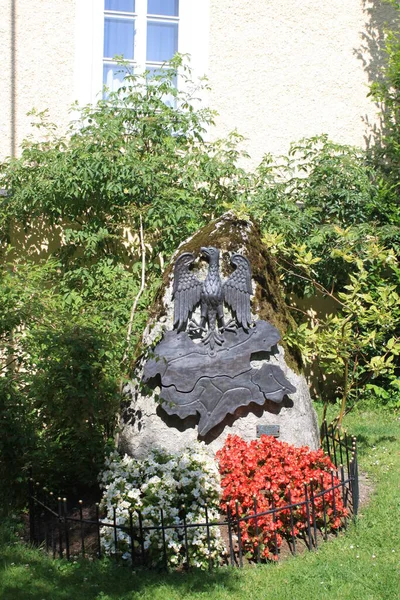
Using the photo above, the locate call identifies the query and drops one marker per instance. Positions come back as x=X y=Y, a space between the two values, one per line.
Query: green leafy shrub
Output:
x=360 y=341
x=385 y=152
x=58 y=392
x=129 y=155
x=74 y=392
x=308 y=198
x=323 y=215
x=17 y=443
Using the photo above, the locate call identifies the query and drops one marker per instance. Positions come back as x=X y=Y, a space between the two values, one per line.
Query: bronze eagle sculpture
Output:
x=211 y=294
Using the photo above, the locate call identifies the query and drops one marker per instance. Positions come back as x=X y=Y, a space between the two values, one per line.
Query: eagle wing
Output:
x=238 y=289
x=186 y=291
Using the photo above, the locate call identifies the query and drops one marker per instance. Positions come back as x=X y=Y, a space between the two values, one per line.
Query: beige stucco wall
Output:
x=6 y=88
x=280 y=71
x=42 y=63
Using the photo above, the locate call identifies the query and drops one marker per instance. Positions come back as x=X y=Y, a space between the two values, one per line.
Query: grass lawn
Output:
x=362 y=564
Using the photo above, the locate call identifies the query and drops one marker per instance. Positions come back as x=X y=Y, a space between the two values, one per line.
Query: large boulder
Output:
x=183 y=391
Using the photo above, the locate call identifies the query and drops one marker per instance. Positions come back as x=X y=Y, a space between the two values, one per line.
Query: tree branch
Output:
x=321 y=288
x=8 y=364
x=130 y=325
x=140 y=292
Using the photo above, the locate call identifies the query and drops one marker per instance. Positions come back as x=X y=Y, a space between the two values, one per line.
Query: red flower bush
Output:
x=267 y=473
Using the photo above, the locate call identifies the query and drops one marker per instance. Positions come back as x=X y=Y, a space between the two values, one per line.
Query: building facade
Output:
x=278 y=71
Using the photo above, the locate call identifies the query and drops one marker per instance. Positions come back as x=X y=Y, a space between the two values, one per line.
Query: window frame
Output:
x=193 y=37
x=141 y=20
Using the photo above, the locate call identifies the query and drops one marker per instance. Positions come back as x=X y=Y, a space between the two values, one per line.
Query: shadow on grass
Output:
x=364 y=442
x=26 y=573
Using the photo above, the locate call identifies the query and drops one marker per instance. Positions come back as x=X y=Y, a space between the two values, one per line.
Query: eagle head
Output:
x=239 y=261
x=186 y=258
x=211 y=253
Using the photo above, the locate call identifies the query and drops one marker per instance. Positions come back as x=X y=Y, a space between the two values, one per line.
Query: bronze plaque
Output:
x=268 y=430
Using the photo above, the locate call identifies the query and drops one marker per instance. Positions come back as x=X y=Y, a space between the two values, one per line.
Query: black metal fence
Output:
x=76 y=531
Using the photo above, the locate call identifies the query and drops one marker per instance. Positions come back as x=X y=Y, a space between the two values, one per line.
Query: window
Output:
x=144 y=32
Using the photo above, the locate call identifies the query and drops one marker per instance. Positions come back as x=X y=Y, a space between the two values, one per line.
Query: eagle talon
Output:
x=231 y=329
x=231 y=326
x=194 y=326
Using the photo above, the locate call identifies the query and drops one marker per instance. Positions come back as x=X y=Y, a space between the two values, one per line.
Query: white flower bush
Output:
x=179 y=483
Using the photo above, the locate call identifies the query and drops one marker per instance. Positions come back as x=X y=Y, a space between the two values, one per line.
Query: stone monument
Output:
x=211 y=363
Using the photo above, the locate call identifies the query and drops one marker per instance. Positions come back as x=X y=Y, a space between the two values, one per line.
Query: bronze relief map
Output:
x=204 y=365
